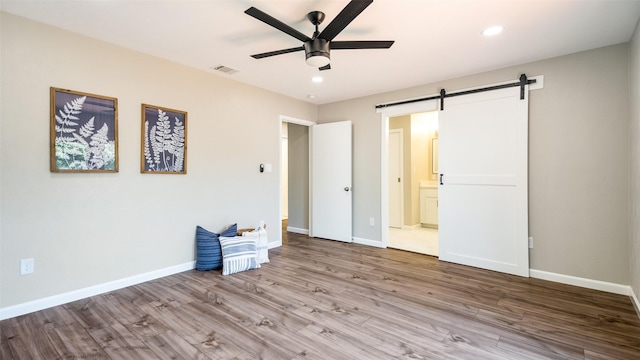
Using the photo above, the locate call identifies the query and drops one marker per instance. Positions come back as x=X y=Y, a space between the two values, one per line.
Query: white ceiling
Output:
x=434 y=39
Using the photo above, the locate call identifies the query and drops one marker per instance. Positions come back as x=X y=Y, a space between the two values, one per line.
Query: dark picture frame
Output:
x=164 y=140
x=83 y=132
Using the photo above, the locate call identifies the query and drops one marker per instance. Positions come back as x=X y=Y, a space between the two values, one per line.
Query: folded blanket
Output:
x=262 y=243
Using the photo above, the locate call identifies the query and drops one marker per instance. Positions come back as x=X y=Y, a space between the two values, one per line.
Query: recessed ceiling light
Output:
x=317 y=79
x=491 y=31
x=311 y=96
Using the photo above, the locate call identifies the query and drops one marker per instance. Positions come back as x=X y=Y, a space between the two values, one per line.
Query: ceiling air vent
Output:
x=225 y=69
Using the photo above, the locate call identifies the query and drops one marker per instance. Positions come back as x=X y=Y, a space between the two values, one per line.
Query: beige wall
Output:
x=578 y=160
x=431 y=119
x=88 y=229
x=422 y=129
x=419 y=164
x=634 y=161
x=404 y=123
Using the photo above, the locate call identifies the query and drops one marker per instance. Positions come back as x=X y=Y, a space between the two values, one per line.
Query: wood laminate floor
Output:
x=320 y=299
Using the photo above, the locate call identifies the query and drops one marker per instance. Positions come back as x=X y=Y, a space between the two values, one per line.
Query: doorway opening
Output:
x=412 y=179
x=319 y=168
x=294 y=177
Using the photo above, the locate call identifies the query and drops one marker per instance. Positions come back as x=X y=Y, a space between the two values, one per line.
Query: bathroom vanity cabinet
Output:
x=429 y=206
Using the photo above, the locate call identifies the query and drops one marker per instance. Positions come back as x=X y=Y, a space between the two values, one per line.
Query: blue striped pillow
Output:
x=238 y=254
x=209 y=255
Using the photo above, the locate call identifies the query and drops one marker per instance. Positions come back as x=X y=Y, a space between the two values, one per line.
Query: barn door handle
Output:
x=441 y=175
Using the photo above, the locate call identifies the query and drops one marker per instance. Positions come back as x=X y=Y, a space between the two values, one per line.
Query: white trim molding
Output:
x=55 y=300
x=289 y=119
x=412 y=227
x=274 y=244
x=297 y=230
x=636 y=302
x=368 y=242
x=582 y=282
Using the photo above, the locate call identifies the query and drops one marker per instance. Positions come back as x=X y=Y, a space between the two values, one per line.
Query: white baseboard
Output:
x=582 y=282
x=367 y=242
x=410 y=227
x=298 y=230
x=636 y=303
x=274 y=244
x=45 y=303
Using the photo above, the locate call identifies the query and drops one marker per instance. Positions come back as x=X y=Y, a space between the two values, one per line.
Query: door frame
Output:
x=385 y=114
x=292 y=120
x=284 y=144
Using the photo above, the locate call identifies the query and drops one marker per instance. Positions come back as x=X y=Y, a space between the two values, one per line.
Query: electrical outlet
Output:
x=372 y=221
x=26 y=266
x=530 y=242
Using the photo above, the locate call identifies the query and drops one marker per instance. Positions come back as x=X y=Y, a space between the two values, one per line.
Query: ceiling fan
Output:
x=317 y=48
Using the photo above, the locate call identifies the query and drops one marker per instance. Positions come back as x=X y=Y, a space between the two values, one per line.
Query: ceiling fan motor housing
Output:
x=317 y=47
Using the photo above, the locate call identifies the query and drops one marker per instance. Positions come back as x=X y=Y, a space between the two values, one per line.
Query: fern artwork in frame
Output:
x=84 y=132
x=164 y=140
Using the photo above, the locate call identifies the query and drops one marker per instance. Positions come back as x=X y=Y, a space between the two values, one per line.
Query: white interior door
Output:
x=330 y=178
x=483 y=212
x=395 y=178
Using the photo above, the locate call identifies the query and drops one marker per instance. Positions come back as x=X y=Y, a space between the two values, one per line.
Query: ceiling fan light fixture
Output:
x=317 y=52
x=318 y=60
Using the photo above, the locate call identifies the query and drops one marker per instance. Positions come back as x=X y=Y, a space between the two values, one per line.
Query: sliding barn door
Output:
x=331 y=200
x=483 y=209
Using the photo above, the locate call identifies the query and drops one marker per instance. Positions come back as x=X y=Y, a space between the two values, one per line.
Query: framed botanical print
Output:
x=164 y=140
x=83 y=132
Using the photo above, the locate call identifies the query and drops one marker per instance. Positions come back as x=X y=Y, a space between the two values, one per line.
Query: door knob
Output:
x=346 y=188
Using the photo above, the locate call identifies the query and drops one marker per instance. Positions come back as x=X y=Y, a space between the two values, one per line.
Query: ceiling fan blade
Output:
x=371 y=44
x=326 y=67
x=277 y=52
x=353 y=9
x=270 y=20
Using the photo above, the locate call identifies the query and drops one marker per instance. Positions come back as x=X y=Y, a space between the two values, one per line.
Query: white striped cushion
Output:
x=238 y=254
